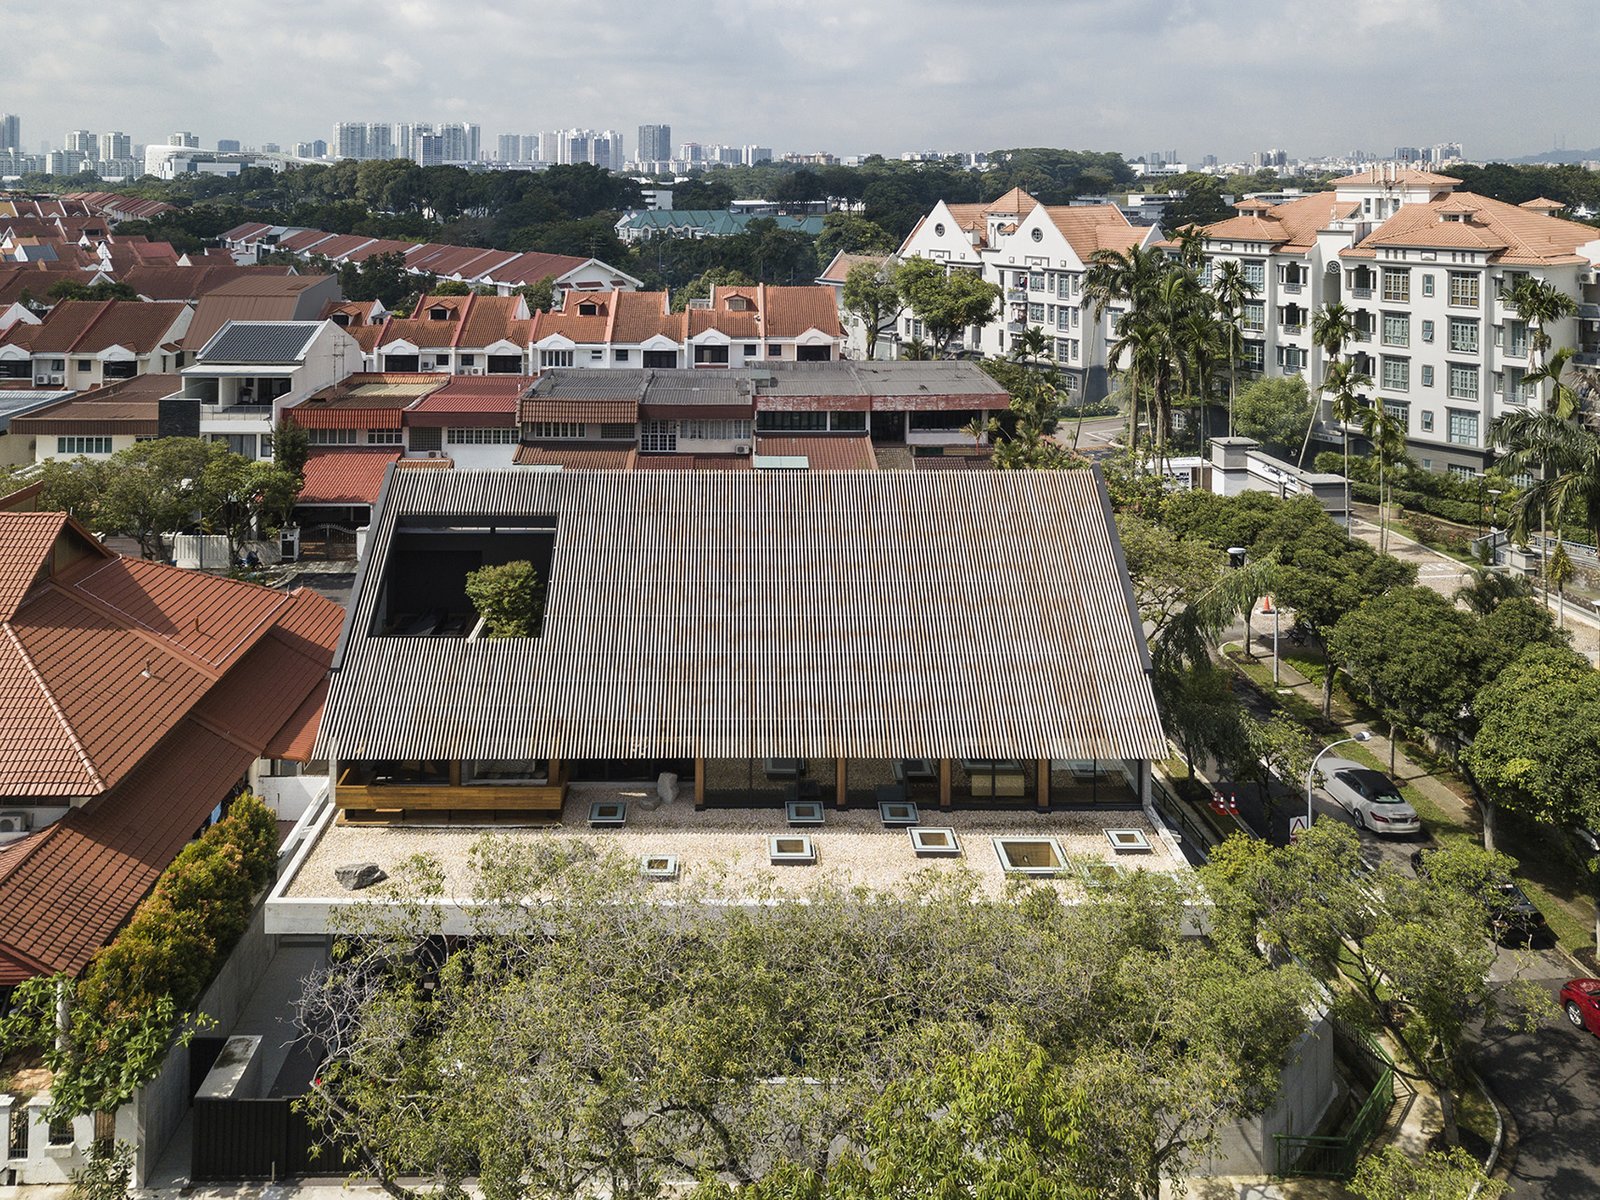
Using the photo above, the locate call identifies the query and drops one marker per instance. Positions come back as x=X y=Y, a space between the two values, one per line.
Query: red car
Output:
x=1580 y=998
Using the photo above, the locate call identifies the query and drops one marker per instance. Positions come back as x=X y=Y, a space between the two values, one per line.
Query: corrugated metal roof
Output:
x=861 y=614
x=279 y=343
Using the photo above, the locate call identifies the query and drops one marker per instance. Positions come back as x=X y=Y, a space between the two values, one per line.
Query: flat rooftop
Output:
x=727 y=848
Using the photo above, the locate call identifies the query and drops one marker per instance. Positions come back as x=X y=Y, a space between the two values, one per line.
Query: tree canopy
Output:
x=589 y=1035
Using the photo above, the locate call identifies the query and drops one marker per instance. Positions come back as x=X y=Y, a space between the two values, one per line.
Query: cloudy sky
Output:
x=1503 y=77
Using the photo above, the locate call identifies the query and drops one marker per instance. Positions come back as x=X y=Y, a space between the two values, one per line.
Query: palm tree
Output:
x=1191 y=240
x=1232 y=289
x=1344 y=383
x=916 y=349
x=1517 y=434
x=1388 y=439
x=1123 y=277
x=1331 y=327
x=1568 y=455
x=1030 y=345
x=1539 y=304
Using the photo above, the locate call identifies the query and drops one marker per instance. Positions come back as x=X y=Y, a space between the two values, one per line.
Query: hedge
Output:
x=1458 y=511
x=131 y=999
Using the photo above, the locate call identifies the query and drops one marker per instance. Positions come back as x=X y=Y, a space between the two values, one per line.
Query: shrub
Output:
x=130 y=1000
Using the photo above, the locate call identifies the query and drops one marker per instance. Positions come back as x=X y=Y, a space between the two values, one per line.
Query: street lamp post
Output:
x=1311 y=773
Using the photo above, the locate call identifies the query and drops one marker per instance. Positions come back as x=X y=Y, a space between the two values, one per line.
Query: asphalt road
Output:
x=1550 y=1079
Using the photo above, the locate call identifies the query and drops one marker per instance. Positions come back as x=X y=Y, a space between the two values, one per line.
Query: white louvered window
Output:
x=541 y=430
x=658 y=437
x=330 y=437
x=384 y=437
x=83 y=445
x=555 y=358
x=483 y=437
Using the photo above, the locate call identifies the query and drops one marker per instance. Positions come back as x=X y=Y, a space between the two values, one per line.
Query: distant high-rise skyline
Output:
x=10 y=131
x=655 y=143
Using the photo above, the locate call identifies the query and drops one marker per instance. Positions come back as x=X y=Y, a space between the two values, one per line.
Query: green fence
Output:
x=1334 y=1156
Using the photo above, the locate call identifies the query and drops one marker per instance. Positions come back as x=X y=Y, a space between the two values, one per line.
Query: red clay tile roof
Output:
x=791 y=311
x=576 y=459
x=147 y=689
x=339 y=245
x=472 y=400
x=1291 y=225
x=823 y=453
x=91 y=326
x=1381 y=176
x=1507 y=232
x=691 y=462
x=160 y=282
x=28 y=539
x=533 y=266
x=107 y=655
x=346 y=476
x=540 y=408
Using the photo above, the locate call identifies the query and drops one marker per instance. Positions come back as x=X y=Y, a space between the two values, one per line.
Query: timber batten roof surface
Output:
x=742 y=614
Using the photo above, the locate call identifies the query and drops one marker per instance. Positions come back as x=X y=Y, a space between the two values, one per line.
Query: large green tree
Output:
x=871 y=295
x=1274 y=411
x=946 y=302
x=1537 y=747
x=589 y=1036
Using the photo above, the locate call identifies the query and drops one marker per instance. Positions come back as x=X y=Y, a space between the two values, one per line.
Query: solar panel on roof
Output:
x=276 y=342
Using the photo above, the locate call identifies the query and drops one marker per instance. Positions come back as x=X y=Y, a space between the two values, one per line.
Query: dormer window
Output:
x=738 y=304
x=341 y=319
x=440 y=313
x=588 y=309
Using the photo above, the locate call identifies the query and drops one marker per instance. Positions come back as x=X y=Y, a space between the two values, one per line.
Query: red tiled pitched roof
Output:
x=346 y=476
x=575 y=459
x=823 y=453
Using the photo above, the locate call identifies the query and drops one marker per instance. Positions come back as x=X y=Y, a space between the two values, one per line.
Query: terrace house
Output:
x=84 y=343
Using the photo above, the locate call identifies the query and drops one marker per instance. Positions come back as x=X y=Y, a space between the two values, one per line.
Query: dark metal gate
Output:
x=255 y=1139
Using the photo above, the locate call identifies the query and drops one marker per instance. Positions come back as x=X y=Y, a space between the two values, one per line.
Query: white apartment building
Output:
x=1422 y=266
x=1038 y=254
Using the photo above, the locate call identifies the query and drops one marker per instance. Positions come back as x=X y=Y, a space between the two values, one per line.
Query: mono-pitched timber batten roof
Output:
x=745 y=614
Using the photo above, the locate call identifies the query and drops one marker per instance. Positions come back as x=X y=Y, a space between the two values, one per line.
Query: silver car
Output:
x=1369 y=796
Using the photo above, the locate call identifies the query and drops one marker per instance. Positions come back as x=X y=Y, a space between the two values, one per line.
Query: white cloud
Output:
x=1218 y=76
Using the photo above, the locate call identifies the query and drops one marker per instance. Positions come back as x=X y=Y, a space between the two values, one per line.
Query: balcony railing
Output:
x=1017 y=295
x=1291 y=329
x=1361 y=335
x=1292 y=288
x=1361 y=293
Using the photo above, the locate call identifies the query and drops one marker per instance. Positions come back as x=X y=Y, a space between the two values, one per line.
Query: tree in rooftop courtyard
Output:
x=945 y=303
x=509 y=597
x=591 y=1037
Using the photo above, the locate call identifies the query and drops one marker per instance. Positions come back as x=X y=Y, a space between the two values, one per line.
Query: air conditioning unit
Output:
x=741 y=448
x=435 y=453
x=41 y=380
x=16 y=822
x=1586 y=276
x=56 y=380
x=474 y=370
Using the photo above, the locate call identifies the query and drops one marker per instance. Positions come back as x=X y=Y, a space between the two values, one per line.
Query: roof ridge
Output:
x=104 y=308
x=55 y=707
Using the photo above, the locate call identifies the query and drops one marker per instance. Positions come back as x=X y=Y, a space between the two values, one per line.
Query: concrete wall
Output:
x=159 y=1107
x=1309 y=1087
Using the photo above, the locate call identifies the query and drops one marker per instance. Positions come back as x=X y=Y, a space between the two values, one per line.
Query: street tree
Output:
x=871 y=294
x=1537 y=747
x=846 y=233
x=1408 y=956
x=1332 y=326
x=945 y=303
x=1169 y=571
x=1416 y=656
x=1323 y=574
x=1394 y=1173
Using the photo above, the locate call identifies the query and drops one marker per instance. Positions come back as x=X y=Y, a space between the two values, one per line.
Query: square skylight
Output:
x=1030 y=856
x=804 y=812
x=898 y=812
x=1128 y=841
x=659 y=866
x=791 y=849
x=608 y=814
x=934 y=841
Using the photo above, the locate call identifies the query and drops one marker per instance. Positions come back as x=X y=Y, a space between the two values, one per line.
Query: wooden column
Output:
x=944 y=783
x=455 y=772
x=699 y=783
x=1044 y=784
x=840 y=794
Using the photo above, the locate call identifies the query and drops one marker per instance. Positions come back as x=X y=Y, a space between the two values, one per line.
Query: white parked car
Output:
x=1369 y=796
